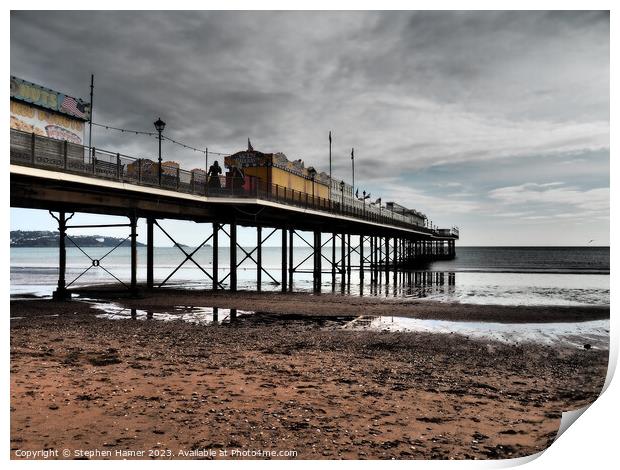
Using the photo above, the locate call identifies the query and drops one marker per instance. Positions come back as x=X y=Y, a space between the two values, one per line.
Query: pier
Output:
x=66 y=178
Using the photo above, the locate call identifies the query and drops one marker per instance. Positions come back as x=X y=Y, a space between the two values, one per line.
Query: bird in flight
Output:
x=590 y=241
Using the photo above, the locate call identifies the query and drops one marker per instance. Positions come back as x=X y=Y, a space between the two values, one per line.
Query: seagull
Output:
x=590 y=241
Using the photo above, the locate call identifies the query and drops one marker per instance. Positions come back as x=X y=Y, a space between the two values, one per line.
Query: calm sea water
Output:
x=492 y=275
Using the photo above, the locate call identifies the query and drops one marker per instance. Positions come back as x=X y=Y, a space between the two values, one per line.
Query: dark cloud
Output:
x=408 y=90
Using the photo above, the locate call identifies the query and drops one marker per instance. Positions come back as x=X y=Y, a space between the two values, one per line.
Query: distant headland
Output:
x=35 y=238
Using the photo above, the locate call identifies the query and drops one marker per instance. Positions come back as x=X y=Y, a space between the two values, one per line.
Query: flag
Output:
x=351 y=154
x=72 y=106
x=357 y=193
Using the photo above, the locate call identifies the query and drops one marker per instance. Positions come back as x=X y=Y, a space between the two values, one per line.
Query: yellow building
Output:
x=279 y=174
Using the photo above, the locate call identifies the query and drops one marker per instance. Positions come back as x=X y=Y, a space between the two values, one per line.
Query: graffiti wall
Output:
x=27 y=118
x=46 y=112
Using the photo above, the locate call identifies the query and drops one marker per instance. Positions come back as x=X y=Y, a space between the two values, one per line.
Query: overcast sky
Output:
x=497 y=122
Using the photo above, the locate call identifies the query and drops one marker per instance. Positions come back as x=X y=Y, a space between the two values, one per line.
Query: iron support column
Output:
x=362 y=258
x=134 y=254
x=333 y=260
x=259 y=257
x=233 y=256
x=61 y=291
x=317 y=261
x=149 y=253
x=216 y=252
x=291 y=266
x=396 y=253
x=348 y=258
x=387 y=260
x=342 y=258
x=371 y=260
x=375 y=262
x=284 y=263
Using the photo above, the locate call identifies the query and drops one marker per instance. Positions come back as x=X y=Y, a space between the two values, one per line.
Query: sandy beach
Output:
x=292 y=389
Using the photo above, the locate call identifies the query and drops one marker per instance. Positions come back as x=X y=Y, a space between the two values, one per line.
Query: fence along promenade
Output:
x=29 y=149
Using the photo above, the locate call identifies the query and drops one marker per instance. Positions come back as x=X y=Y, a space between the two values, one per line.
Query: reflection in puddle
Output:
x=594 y=333
x=196 y=315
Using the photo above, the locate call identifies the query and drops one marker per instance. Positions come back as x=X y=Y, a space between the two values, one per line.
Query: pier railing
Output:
x=29 y=149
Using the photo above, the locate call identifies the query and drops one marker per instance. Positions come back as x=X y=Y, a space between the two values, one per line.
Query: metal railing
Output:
x=29 y=149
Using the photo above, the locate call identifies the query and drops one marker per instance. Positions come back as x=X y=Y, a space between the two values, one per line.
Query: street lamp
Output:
x=364 y=201
x=312 y=173
x=159 y=126
x=341 y=196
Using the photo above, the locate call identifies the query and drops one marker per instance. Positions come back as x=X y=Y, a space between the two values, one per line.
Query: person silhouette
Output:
x=214 y=171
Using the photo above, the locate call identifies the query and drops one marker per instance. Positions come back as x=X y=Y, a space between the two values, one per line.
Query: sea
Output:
x=541 y=276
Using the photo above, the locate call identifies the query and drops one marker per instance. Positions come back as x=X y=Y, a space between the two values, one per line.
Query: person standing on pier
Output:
x=215 y=171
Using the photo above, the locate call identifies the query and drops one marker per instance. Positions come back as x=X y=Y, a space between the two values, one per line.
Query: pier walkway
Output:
x=65 y=178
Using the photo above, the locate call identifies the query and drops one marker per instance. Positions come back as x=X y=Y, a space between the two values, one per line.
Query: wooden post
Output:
x=149 y=253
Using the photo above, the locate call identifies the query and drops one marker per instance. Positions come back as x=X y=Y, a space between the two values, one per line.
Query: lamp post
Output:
x=341 y=196
x=364 y=201
x=159 y=126
x=312 y=173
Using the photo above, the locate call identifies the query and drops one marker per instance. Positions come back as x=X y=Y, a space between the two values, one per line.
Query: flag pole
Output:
x=330 y=164
x=353 y=167
x=90 y=118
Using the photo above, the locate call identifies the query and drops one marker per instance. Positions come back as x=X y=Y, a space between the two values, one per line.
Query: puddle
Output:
x=595 y=333
x=196 y=315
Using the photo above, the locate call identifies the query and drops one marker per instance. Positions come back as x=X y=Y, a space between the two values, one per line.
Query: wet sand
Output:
x=329 y=304
x=82 y=382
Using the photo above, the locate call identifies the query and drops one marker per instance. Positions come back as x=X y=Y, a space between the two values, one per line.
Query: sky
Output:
x=496 y=122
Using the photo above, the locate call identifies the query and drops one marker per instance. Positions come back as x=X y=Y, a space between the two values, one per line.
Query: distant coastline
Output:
x=35 y=239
